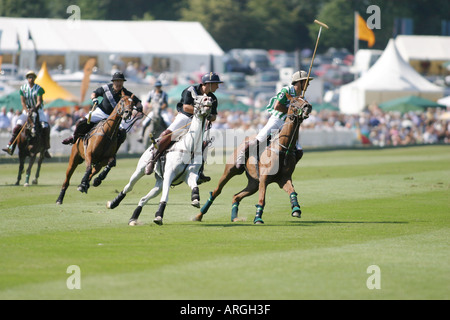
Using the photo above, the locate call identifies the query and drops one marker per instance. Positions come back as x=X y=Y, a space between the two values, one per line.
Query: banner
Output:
x=87 y=77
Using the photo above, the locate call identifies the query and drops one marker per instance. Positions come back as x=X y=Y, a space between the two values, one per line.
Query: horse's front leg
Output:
x=289 y=188
x=135 y=177
x=28 y=173
x=153 y=193
x=21 y=166
x=104 y=173
x=229 y=172
x=84 y=185
x=192 y=182
x=38 y=169
x=75 y=159
x=169 y=175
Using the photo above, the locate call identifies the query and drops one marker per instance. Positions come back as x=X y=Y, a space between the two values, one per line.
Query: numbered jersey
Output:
x=282 y=98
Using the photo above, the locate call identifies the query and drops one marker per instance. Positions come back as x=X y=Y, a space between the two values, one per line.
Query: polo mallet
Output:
x=321 y=24
x=18 y=135
x=94 y=106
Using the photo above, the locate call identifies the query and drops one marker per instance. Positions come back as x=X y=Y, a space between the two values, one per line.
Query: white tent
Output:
x=414 y=47
x=445 y=101
x=389 y=78
x=187 y=45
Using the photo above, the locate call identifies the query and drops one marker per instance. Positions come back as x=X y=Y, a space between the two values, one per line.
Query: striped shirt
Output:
x=31 y=94
x=281 y=97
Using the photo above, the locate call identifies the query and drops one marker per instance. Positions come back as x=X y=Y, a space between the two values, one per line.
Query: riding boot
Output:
x=81 y=128
x=46 y=133
x=163 y=144
x=250 y=148
x=12 y=143
x=201 y=177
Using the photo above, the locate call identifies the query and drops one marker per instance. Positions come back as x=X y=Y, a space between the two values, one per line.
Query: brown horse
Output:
x=98 y=148
x=30 y=142
x=276 y=163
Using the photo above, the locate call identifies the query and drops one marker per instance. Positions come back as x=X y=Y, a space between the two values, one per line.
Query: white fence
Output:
x=223 y=140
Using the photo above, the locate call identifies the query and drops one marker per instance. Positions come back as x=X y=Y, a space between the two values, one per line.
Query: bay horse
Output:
x=276 y=164
x=30 y=142
x=181 y=163
x=98 y=148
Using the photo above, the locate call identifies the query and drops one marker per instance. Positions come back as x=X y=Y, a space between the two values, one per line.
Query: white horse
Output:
x=182 y=162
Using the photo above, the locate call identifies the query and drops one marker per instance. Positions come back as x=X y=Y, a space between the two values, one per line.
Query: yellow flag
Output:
x=364 y=33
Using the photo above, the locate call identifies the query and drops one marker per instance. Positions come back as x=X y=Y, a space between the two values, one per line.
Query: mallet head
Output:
x=321 y=24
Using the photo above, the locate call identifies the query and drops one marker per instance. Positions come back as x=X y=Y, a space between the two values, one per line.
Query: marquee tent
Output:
x=187 y=46
x=389 y=78
x=53 y=90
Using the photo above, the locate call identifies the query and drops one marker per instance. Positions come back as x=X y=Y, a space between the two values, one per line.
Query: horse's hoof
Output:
x=83 y=188
x=158 y=220
x=34 y=182
x=97 y=182
x=198 y=217
x=59 y=203
x=258 y=221
x=26 y=184
x=132 y=222
x=108 y=205
x=297 y=214
x=195 y=203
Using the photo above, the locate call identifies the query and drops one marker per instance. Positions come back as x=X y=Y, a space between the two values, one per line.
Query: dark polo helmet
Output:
x=118 y=76
x=211 y=78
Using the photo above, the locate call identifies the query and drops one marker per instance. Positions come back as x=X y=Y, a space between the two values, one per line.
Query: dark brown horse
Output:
x=98 y=148
x=30 y=143
x=276 y=163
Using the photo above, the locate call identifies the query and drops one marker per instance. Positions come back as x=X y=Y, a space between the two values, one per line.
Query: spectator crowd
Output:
x=375 y=126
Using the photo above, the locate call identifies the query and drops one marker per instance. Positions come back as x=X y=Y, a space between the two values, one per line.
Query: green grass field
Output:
x=388 y=208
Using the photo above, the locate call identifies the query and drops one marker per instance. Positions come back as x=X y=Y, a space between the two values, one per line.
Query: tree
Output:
x=339 y=16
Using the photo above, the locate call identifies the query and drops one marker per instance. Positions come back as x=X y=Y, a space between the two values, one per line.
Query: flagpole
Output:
x=356 y=40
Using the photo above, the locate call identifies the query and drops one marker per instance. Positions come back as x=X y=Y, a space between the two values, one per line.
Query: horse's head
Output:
x=125 y=107
x=202 y=105
x=299 y=107
x=33 y=122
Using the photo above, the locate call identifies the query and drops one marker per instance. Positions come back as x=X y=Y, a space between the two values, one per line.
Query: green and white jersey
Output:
x=281 y=97
x=31 y=94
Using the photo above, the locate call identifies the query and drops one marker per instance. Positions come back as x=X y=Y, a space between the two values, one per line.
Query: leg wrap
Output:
x=234 y=211
x=136 y=213
x=294 y=201
x=195 y=194
x=162 y=207
x=259 y=213
x=208 y=204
